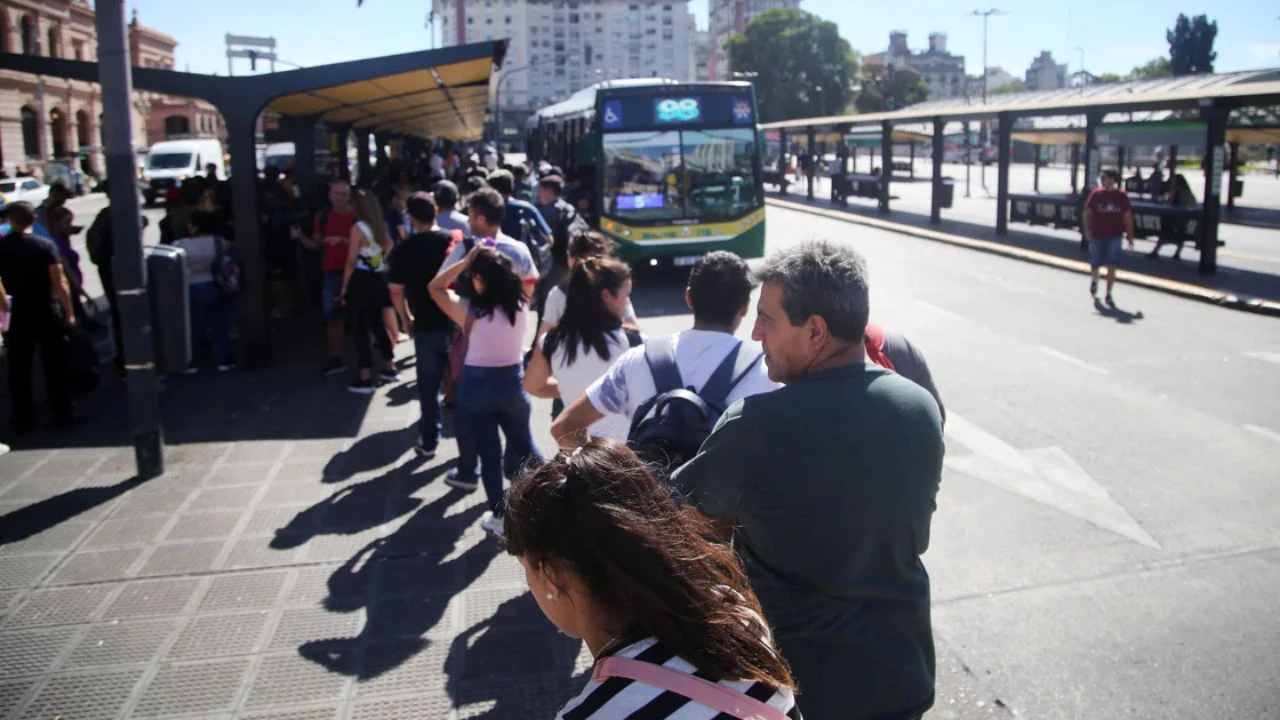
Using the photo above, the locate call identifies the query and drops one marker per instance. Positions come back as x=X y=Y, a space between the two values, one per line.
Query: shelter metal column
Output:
x=1233 y=174
x=1005 y=138
x=301 y=131
x=241 y=121
x=364 y=172
x=886 y=164
x=939 y=149
x=1215 y=137
x=782 y=161
x=812 y=158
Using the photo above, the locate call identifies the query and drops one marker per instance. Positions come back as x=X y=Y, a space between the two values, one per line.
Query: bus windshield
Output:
x=701 y=175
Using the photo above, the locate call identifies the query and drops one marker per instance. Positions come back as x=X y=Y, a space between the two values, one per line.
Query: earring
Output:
x=551 y=595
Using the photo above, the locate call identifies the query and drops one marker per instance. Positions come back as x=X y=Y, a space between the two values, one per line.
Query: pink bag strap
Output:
x=713 y=695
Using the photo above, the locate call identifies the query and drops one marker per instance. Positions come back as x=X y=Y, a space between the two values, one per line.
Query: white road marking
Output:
x=1046 y=475
x=1073 y=360
x=941 y=311
x=1266 y=356
x=1260 y=431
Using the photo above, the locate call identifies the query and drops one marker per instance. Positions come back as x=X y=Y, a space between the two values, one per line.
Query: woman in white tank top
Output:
x=586 y=339
x=365 y=291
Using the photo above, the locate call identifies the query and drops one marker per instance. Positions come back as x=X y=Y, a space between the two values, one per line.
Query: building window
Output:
x=53 y=43
x=30 y=134
x=27 y=30
x=77 y=49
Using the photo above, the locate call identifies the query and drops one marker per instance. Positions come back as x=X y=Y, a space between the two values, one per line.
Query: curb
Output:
x=1150 y=282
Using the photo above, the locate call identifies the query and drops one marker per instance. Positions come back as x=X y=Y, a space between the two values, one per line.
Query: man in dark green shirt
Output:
x=830 y=486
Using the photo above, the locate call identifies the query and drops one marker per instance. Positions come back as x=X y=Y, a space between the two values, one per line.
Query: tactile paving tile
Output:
x=223 y=498
x=146 y=598
x=297 y=472
x=22 y=571
x=219 y=636
x=136 y=505
x=320 y=450
x=7 y=598
x=38 y=487
x=337 y=548
x=59 y=538
x=12 y=692
x=61 y=606
x=70 y=466
x=267 y=521
x=407 y=708
x=256 y=552
x=527 y=697
x=414 y=576
x=182 y=558
x=193 y=688
x=410 y=616
x=125 y=532
x=255 y=452
x=287 y=679
x=31 y=652
x=196 y=454
x=301 y=625
x=91 y=696
x=296 y=495
x=482 y=604
x=200 y=525
x=312 y=586
x=120 y=644
x=96 y=566
x=416 y=665
x=313 y=713
x=238 y=475
x=243 y=591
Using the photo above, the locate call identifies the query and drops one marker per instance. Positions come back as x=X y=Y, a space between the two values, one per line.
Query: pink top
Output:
x=495 y=342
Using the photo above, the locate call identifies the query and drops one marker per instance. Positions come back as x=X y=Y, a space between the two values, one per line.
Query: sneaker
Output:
x=226 y=367
x=455 y=480
x=190 y=370
x=1110 y=303
x=333 y=367
x=4 y=449
x=1093 y=288
x=493 y=524
x=423 y=451
x=389 y=376
x=362 y=387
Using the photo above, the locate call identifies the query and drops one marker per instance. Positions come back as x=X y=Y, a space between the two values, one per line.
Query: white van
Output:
x=172 y=161
x=279 y=156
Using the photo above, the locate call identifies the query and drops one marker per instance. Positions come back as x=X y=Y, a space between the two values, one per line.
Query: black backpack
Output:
x=669 y=428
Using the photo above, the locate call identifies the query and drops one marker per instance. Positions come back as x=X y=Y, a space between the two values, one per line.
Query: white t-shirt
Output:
x=553 y=310
x=588 y=367
x=201 y=252
x=628 y=383
x=512 y=248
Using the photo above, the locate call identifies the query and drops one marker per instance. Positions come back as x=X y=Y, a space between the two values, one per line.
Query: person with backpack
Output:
x=667 y=614
x=827 y=488
x=520 y=220
x=212 y=307
x=587 y=339
x=672 y=389
x=565 y=223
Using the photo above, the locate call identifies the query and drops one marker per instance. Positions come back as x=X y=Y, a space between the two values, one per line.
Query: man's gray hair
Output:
x=819 y=277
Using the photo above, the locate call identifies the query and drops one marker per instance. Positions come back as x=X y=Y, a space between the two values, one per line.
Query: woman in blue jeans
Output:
x=211 y=309
x=496 y=321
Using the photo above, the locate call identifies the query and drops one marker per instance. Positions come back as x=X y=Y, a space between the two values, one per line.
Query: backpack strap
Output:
x=660 y=354
x=722 y=380
x=634 y=338
x=713 y=695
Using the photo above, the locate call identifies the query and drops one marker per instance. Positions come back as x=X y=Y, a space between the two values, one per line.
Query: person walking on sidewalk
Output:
x=1108 y=216
x=413 y=264
x=40 y=315
x=495 y=321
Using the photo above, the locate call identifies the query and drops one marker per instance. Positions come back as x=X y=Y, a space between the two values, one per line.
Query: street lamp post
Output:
x=986 y=125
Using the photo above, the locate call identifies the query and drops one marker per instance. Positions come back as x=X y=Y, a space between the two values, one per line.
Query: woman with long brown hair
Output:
x=666 y=612
x=365 y=291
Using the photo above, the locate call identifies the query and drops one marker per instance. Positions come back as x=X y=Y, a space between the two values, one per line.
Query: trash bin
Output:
x=170 y=311
x=948 y=191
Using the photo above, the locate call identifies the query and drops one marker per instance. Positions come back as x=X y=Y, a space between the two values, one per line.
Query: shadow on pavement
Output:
x=1123 y=317
x=406 y=585
x=45 y=514
x=1238 y=281
x=516 y=659
x=369 y=453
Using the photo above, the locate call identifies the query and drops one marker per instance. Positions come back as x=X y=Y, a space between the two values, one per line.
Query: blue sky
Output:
x=1116 y=35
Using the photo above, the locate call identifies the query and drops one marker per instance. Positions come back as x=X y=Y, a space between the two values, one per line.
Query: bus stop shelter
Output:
x=1208 y=99
x=411 y=97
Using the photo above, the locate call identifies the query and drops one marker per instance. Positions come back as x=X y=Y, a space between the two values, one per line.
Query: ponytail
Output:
x=587 y=321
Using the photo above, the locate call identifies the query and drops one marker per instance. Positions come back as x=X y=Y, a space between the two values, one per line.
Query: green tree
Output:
x=889 y=89
x=1015 y=86
x=1191 y=45
x=1109 y=77
x=1154 y=69
x=802 y=67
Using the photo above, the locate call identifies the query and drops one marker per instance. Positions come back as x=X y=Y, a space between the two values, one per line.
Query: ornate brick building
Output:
x=48 y=118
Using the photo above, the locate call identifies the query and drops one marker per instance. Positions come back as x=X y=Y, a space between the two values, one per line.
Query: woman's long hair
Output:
x=503 y=288
x=587 y=321
x=603 y=515
x=368 y=210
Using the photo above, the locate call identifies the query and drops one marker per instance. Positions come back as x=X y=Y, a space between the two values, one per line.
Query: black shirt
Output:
x=414 y=263
x=24 y=270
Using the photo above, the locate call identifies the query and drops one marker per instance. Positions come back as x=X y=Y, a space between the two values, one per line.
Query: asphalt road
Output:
x=1105 y=542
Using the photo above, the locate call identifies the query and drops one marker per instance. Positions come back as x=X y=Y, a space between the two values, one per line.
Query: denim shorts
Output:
x=1105 y=252
x=331 y=288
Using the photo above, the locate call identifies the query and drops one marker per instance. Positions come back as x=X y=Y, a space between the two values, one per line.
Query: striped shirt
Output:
x=618 y=698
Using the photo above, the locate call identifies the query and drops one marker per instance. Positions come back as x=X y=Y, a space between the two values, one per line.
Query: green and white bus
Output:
x=672 y=170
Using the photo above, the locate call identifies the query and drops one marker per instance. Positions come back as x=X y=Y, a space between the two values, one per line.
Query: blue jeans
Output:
x=489 y=399
x=1105 y=251
x=432 y=350
x=211 y=313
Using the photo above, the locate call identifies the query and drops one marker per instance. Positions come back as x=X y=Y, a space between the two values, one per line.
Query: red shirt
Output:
x=1106 y=213
x=339 y=225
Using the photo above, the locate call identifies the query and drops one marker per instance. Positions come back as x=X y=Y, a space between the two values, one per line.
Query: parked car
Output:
x=23 y=189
